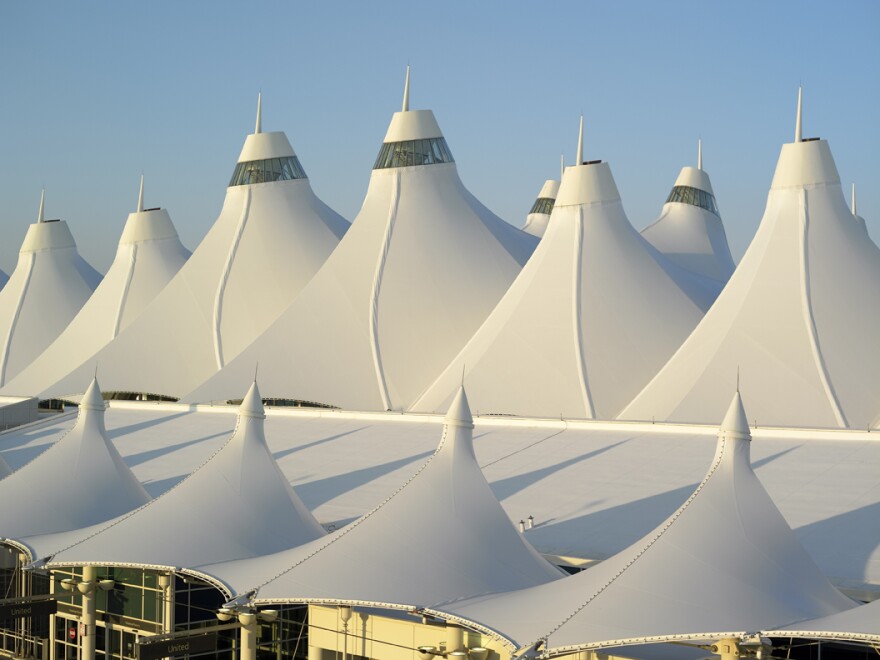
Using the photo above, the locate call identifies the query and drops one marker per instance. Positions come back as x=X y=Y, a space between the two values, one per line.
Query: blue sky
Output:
x=93 y=93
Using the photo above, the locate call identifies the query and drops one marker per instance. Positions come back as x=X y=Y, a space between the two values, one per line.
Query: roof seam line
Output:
x=125 y=289
x=224 y=278
x=8 y=345
x=577 y=272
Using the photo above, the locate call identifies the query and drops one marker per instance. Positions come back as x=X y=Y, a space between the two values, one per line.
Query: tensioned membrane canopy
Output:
x=441 y=535
x=858 y=624
x=593 y=315
x=725 y=562
x=238 y=504
x=798 y=319
x=80 y=481
x=48 y=287
x=422 y=266
x=268 y=241
x=147 y=258
x=690 y=231
x=3 y=279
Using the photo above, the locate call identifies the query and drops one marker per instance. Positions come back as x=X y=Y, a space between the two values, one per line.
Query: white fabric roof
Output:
x=536 y=223
x=725 y=562
x=440 y=535
x=148 y=256
x=422 y=266
x=691 y=236
x=858 y=624
x=591 y=318
x=48 y=287
x=238 y=504
x=5 y=470
x=267 y=243
x=3 y=279
x=798 y=318
x=80 y=481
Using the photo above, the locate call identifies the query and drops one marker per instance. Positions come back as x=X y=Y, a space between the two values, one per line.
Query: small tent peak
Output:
x=798 y=126
x=140 y=202
x=252 y=404
x=40 y=215
x=459 y=413
x=735 y=421
x=699 y=153
x=258 y=128
x=92 y=399
x=580 y=151
x=405 y=107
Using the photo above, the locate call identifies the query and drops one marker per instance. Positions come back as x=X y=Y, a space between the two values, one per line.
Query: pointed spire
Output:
x=798 y=127
x=735 y=422
x=561 y=166
x=92 y=399
x=853 y=198
x=42 y=198
x=459 y=413
x=252 y=404
x=259 y=127
x=580 y=152
x=406 y=91
x=140 y=206
x=699 y=153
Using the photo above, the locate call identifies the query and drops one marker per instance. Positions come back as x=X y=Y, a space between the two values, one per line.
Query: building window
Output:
x=264 y=171
x=543 y=205
x=413 y=152
x=695 y=197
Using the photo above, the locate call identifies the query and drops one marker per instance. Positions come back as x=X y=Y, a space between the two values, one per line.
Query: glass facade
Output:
x=413 y=152
x=264 y=171
x=694 y=196
x=543 y=205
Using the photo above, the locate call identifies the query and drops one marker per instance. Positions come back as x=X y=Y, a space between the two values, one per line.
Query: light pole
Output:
x=88 y=587
x=345 y=615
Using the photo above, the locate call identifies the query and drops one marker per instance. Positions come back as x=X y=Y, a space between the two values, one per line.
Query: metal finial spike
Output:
x=798 y=127
x=737 y=378
x=140 y=205
x=699 y=153
x=259 y=126
x=580 y=151
x=463 y=367
x=854 y=212
x=256 y=371
x=406 y=91
x=42 y=199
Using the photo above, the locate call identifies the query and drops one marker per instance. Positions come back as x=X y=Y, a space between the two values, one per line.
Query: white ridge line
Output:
x=577 y=316
x=8 y=344
x=125 y=289
x=224 y=278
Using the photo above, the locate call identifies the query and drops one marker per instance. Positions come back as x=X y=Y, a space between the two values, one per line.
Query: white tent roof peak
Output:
x=798 y=126
x=140 y=202
x=42 y=199
x=405 y=107
x=549 y=190
x=699 y=153
x=259 y=126
x=735 y=423
x=459 y=413
x=587 y=184
x=695 y=177
x=92 y=399
x=252 y=404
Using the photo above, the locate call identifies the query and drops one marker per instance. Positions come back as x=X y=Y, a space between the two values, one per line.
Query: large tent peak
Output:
x=405 y=107
x=735 y=423
x=42 y=200
x=798 y=126
x=252 y=404
x=259 y=126
x=459 y=413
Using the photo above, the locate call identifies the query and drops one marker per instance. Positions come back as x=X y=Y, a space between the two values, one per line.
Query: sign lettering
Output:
x=171 y=648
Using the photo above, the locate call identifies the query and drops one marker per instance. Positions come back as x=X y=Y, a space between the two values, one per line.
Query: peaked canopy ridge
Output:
x=539 y=216
x=237 y=504
x=47 y=288
x=724 y=563
x=444 y=517
x=419 y=271
x=272 y=235
x=798 y=317
x=860 y=624
x=690 y=231
x=148 y=256
x=593 y=315
x=79 y=481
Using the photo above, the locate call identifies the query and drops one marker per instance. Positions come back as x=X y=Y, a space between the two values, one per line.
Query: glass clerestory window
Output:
x=694 y=196
x=413 y=152
x=264 y=171
x=543 y=205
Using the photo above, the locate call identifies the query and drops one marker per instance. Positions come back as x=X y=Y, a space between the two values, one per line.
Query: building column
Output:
x=315 y=653
x=248 y=638
x=87 y=588
x=166 y=583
